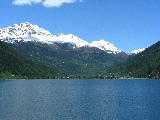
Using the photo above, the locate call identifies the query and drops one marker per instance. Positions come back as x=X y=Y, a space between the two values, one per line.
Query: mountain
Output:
x=143 y=65
x=13 y=65
x=136 y=51
x=68 y=53
x=64 y=58
x=29 y=32
x=24 y=31
x=65 y=53
x=105 y=46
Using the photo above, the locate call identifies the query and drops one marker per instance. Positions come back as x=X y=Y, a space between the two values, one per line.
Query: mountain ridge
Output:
x=143 y=65
x=29 y=32
x=71 y=55
x=62 y=57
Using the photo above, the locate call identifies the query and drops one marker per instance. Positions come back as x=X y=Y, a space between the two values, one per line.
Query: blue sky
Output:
x=128 y=24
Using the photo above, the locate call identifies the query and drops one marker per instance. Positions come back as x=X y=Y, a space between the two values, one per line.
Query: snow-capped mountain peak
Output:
x=29 y=32
x=69 y=39
x=105 y=46
x=137 y=51
x=23 y=30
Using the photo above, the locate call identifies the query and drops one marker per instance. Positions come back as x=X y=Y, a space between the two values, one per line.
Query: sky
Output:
x=128 y=24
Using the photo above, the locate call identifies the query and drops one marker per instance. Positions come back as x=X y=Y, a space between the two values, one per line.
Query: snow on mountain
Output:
x=23 y=30
x=28 y=32
x=105 y=46
x=136 y=51
x=60 y=37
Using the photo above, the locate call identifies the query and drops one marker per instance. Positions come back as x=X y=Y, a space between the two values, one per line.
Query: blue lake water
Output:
x=80 y=100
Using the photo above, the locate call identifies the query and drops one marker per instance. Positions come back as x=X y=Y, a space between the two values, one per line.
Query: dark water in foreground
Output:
x=80 y=100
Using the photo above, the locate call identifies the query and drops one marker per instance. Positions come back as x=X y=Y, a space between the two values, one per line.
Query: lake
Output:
x=80 y=99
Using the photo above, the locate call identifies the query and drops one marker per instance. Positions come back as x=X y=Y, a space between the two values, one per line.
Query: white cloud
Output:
x=46 y=3
x=25 y=2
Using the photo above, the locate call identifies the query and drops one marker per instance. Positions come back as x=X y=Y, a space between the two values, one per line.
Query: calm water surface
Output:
x=80 y=100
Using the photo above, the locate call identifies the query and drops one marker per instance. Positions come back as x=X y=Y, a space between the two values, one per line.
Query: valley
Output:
x=74 y=57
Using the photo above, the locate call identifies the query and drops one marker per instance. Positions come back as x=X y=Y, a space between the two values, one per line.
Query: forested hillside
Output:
x=67 y=59
x=13 y=65
x=142 y=65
